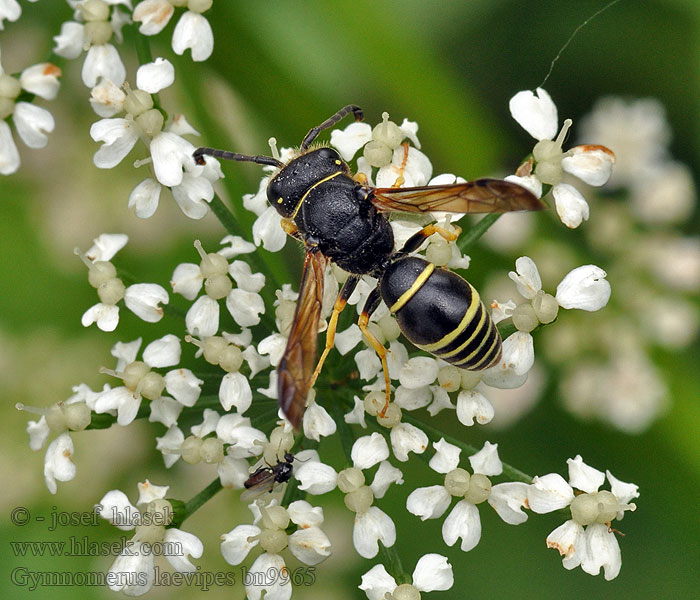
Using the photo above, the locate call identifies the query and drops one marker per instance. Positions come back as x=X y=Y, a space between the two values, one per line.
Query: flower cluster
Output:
x=213 y=399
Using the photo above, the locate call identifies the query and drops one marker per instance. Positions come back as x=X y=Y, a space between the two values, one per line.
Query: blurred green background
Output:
x=278 y=69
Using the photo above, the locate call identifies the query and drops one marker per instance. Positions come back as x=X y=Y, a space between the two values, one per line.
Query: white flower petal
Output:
x=193 y=195
x=623 y=491
x=418 y=372
x=428 y=502
x=106 y=245
x=144 y=198
x=233 y=472
x=310 y=545
x=371 y=527
x=591 y=164
x=548 y=493
x=601 y=550
x=245 y=279
x=245 y=307
x=235 y=544
x=187 y=545
x=58 y=464
x=163 y=352
x=386 y=475
x=315 y=477
x=103 y=61
x=584 y=477
x=357 y=414
x=105 y=315
x=486 y=460
x=183 y=386
x=41 y=79
x=584 y=288
x=69 y=43
x=531 y=182
x=433 y=573
x=187 y=280
x=571 y=206
x=193 y=31
x=132 y=572
x=463 y=522
x=119 y=137
x=235 y=391
x=202 y=318
x=32 y=123
x=377 y=583
x=165 y=410
x=170 y=154
x=143 y=299
x=535 y=114
x=9 y=155
x=565 y=538
x=125 y=352
x=412 y=399
x=155 y=76
x=267 y=230
x=38 y=432
x=508 y=499
x=369 y=450
x=407 y=438
x=349 y=140
x=172 y=440
x=446 y=457
x=471 y=405
x=526 y=277
x=259 y=582
x=153 y=15
x=317 y=422
x=116 y=508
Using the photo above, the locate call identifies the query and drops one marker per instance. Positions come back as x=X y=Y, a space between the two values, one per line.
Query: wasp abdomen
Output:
x=441 y=313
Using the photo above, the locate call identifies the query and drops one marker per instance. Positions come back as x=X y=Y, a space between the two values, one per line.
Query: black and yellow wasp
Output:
x=339 y=218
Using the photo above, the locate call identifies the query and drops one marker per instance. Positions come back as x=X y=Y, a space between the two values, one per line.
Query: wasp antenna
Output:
x=200 y=153
x=313 y=133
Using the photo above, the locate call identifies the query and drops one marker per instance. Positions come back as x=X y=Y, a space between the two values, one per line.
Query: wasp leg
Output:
x=400 y=180
x=340 y=302
x=313 y=133
x=370 y=306
x=361 y=178
x=199 y=154
x=414 y=242
x=291 y=229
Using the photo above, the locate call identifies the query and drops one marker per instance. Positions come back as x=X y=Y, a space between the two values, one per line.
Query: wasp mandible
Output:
x=339 y=218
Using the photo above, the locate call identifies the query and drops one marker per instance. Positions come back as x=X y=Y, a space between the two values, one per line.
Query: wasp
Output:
x=264 y=478
x=339 y=218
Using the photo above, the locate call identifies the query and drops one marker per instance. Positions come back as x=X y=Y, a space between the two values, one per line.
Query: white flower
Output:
x=140 y=381
x=102 y=59
x=133 y=570
x=432 y=573
x=32 y=122
x=592 y=164
x=57 y=462
x=371 y=527
x=464 y=522
x=143 y=299
x=586 y=539
x=192 y=30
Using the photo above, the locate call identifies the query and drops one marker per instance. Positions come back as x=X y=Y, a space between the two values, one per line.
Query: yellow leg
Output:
x=400 y=180
x=340 y=302
x=448 y=236
x=381 y=352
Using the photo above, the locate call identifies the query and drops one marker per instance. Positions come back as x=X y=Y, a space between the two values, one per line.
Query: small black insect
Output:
x=264 y=479
x=340 y=218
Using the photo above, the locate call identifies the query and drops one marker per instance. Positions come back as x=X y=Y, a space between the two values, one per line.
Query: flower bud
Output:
x=457 y=482
x=152 y=385
x=378 y=154
x=78 y=416
x=101 y=272
x=231 y=359
x=10 y=87
x=97 y=33
x=213 y=348
x=138 y=102
x=374 y=402
x=151 y=122
x=387 y=132
x=95 y=10
x=350 y=480
x=212 y=450
x=218 y=286
x=191 y=450
x=545 y=306
x=133 y=373
x=479 y=489
x=392 y=416
x=524 y=317
x=360 y=500
x=405 y=591
x=111 y=291
x=199 y=6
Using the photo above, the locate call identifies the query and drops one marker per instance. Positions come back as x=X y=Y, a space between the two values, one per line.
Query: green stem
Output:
x=392 y=562
x=195 y=503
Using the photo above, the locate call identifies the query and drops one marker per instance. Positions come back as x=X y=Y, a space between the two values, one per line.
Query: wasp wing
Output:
x=297 y=365
x=260 y=482
x=479 y=196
